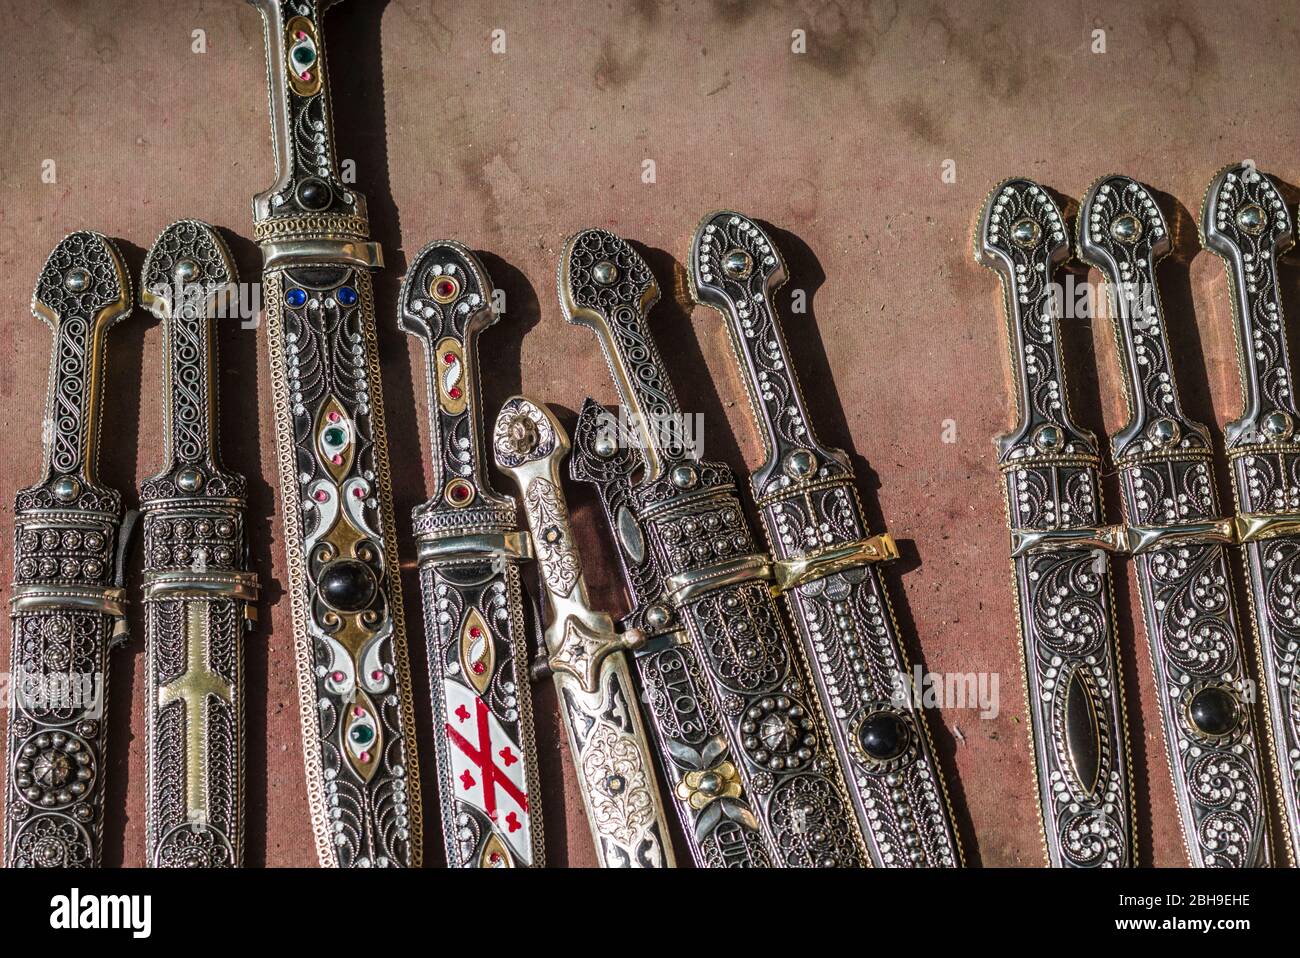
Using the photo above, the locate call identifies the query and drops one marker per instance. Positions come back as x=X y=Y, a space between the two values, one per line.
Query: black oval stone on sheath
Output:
x=883 y=735
x=1213 y=711
x=314 y=194
x=347 y=585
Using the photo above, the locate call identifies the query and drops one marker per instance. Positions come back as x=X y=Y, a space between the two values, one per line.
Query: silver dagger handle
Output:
x=1078 y=727
x=588 y=660
x=836 y=595
x=198 y=591
x=1246 y=222
x=67 y=601
x=470 y=556
x=354 y=686
x=1164 y=460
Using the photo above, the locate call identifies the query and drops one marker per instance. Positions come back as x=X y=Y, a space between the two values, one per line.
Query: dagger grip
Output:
x=336 y=503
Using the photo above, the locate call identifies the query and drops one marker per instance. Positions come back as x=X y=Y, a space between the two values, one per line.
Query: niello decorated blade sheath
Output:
x=198 y=591
x=682 y=706
x=826 y=565
x=686 y=512
x=68 y=599
x=470 y=550
x=586 y=656
x=335 y=490
x=1059 y=549
x=1177 y=538
x=1245 y=220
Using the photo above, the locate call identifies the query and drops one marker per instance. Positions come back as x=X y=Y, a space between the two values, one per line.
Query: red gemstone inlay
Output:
x=334 y=417
x=338 y=676
x=445 y=287
x=321 y=495
x=479 y=668
x=336 y=459
x=495 y=858
x=475 y=631
x=449 y=358
x=454 y=392
x=459 y=493
x=377 y=674
x=358 y=493
x=365 y=758
x=358 y=711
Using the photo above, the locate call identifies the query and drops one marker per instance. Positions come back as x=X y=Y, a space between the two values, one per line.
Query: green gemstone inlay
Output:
x=304 y=55
x=362 y=734
x=335 y=436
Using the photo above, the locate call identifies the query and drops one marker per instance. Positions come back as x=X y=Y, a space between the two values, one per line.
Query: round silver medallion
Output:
x=1126 y=228
x=1025 y=232
x=66 y=489
x=1163 y=432
x=189 y=479
x=684 y=476
x=798 y=463
x=1048 y=437
x=737 y=264
x=604 y=273
x=1252 y=218
x=76 y=280
x=1278 y=425
x=186 y=270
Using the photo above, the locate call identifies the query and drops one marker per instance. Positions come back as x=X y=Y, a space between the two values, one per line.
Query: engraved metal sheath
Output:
x=686 y=512
x=586 y=656
x=1177 y=537
x=1245 y=220
x=198 y=591
x=335 y=490
x=1064 y=599
x=470 y=552
x=682 y=707
x=68 y=599
x=825 y=565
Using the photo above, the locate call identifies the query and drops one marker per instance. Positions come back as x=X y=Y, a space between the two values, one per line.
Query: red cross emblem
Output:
x=481 y=756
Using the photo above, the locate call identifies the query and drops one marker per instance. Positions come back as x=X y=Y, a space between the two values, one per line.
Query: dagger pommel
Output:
x=446 y=301
x=605 y=285
x=308 y=213
x=83 y=290
x=1245 y=221
x=1021 y=236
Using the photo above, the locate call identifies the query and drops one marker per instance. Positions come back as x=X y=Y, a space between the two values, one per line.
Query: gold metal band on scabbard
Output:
x=1124 y=540
x=486 y=545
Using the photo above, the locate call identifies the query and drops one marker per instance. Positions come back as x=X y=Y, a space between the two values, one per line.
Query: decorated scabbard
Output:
x=1177 y=537
x=1064 y=599
x=354 y=682
x=199 y=595
x=67 y=600
x=470 y=550
x=826 y=565
x=715 y=582
x=585 y=655
x=1245 y=220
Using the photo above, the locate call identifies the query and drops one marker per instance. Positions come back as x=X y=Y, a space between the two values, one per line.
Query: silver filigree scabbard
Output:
x=715 y=584
x=681 y=706
x=199 y=595
x=1178 y=537
x=1246 y=222
x=470 y=554
x=1059 y=548
x=585 y=655
x=826 y=565
x=67 y=601
x=354 y=683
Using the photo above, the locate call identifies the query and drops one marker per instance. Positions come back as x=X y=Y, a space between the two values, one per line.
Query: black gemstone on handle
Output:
x=347 y=585
x=1213 y=710
x=314 y=194
x=883 y=735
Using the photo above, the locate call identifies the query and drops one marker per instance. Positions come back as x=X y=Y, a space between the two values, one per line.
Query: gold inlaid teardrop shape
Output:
x=1084 y=748
x=362 y=736
x=302 y=56
x=450 y=364
x=476 y=651
x=495 y=854
x=335 y=439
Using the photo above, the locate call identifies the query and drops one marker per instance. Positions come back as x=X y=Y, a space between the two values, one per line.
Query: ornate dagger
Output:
x=335 y=490
x=198 y=592
x=682 y=708
x=585 y=654
x=69 y=557
x=1245 y=221
x=470 y=551
x=1050 y=468
x=1177 y=537
x=687 y=514
x=825 y=564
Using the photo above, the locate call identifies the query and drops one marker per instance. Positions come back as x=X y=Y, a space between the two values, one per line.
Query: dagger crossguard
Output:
x=67 y=599
x=1066 y=621
x=470 y=554
x=198 y=591
x=1245 y=222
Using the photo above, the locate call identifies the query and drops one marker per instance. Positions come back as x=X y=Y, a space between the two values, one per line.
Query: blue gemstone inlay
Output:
x=296 y=297
x=347 y=295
